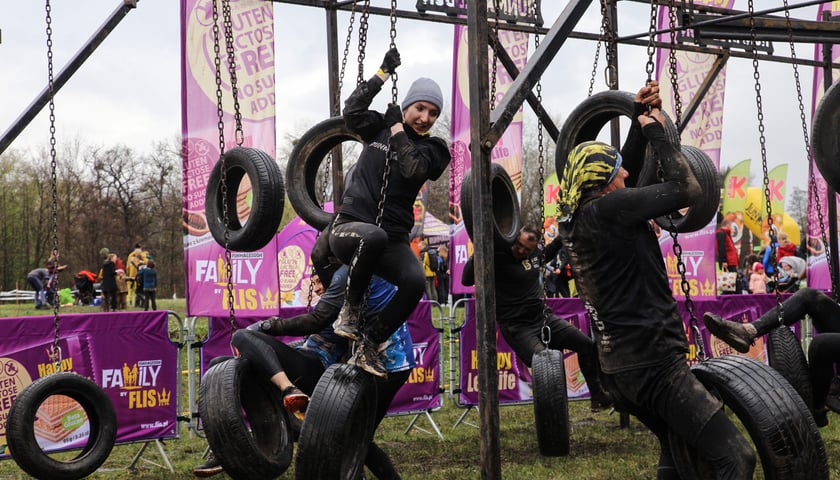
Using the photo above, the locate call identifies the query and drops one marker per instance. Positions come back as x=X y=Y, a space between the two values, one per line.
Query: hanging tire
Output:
x=20 y=428
x=338 y=427
x=304 y=163
x=587 y=120
x=244 y=421
x=781 y=427
x=705 y=209
x=267 y=199
x=825 y=142
x=506 y=223
x=551 y=403
x=785 y=355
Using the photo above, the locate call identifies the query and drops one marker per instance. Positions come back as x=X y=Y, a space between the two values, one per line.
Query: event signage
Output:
x=128 y=354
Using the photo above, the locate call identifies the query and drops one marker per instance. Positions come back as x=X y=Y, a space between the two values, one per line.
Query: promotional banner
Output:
x=128 y=354
x=755 y=214
x=703 y=130
x=294 y=246
x=420 y=392
x=818 y=274
x=734 y=201
x=507 y=152
x=254 y=274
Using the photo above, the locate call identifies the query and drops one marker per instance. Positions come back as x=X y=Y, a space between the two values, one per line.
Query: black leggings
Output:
x=392 y=260
x=824 y=311
x=377 y=460
x=271 y=356
x=822 y=355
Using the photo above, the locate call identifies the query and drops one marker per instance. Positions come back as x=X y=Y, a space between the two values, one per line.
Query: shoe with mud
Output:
x=734 y=334
x=212 y=466
x=600 y=401
x=367 y=357
x=347 y=323
x=295 y=401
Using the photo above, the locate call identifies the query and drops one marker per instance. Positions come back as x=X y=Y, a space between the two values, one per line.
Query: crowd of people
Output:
x=121 y=284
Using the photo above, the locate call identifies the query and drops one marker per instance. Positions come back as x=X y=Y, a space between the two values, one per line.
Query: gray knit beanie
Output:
x=424 y=90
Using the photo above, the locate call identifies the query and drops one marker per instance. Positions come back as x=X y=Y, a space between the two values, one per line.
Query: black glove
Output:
x=393 y=115
x=391 y=61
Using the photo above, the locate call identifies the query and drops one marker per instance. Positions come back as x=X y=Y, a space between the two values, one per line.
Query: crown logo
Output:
x=268 y=300
x=671 y=263
x=164 y=397
x=707 y=289
x=130 y=375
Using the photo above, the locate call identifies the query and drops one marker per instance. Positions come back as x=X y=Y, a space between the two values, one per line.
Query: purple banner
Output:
x=128 y=354
x=818 y=274
x=253 y=274
x=422 y=389
x=515 y=377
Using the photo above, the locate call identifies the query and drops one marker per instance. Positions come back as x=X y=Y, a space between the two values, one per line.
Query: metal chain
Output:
x=220 y=111
x=602 y=38
x=393 y=34
x=56 y=347
x=231 y=57
x=764 y=169
x=363 y=28
x=611 y=47
x=545 y=333
x=651 y=48
x=497 y=44
x=672 y=63
x=804 y=122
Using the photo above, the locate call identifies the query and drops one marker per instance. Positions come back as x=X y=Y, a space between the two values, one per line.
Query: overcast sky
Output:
x=128 y=92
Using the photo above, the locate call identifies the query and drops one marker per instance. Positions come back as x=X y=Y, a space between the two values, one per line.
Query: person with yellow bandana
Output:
x=620 y=275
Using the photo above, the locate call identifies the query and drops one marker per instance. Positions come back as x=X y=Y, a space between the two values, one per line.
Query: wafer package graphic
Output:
x=58 y=417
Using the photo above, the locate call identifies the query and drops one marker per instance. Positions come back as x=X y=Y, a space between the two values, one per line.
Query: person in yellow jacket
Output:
x=430 y=265
x=135 y=258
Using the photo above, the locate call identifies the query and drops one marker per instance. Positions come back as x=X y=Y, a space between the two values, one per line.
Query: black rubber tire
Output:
x=781 y=427
x=20 y=429
x=304 y=163
x=506 y=223
x=268 y=198
x=824 y=140
x=245 y=422
x=785 y=355
x=587 y=120
x=705 y=209
x=338 y=427
x=551 y=403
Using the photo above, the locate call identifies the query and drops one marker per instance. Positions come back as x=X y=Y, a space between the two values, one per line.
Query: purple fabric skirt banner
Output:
x=422 y=389
x=420 y=392
x=515 y=377
x=128 y=354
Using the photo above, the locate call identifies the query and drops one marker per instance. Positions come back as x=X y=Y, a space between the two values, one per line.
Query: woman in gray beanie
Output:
x=404 y=131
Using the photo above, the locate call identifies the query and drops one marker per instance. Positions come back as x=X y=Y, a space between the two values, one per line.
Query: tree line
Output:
x=110 y=197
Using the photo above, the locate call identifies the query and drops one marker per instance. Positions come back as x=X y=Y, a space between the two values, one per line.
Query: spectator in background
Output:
x=786 y=247
x=428 y=255
x=108 y=282
x=443 y=275
x=122 y=289
x=150 y=286
x=725 y=251
x=133 y=261
x=138 y=279
x=38 y=279
x=758 y=280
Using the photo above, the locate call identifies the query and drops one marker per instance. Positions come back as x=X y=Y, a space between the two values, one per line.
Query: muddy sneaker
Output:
x=821 y=417
x=347 y=323
x=833 y=403
x=212 y=466
x=600 y=401
x=734 y=334
x=367 y=357
x=295 y=401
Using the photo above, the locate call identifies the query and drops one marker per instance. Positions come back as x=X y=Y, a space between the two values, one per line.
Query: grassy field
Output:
x=600 y=449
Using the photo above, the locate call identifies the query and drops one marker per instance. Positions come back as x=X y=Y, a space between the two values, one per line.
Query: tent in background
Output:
x=434 y=230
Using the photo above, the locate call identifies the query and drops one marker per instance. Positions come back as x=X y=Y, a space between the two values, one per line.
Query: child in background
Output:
x=122 y=289
x=758 y=284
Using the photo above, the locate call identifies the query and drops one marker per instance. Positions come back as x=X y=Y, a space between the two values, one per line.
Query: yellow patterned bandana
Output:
x=590 y=166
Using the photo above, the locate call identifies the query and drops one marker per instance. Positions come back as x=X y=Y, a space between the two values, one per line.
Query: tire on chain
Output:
x=267 y=199
x=587 y=120
x=20 y=429
x=825 y=141
x=785 y=355
x=551 y=403
x=244 y=421
x=705 y=209
x=338 y=427
x=781 y=427
x=506 y=223
x=304 y=163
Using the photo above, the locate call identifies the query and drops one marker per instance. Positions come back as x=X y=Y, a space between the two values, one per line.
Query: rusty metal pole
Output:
x=485 y=301
x=337 y=168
